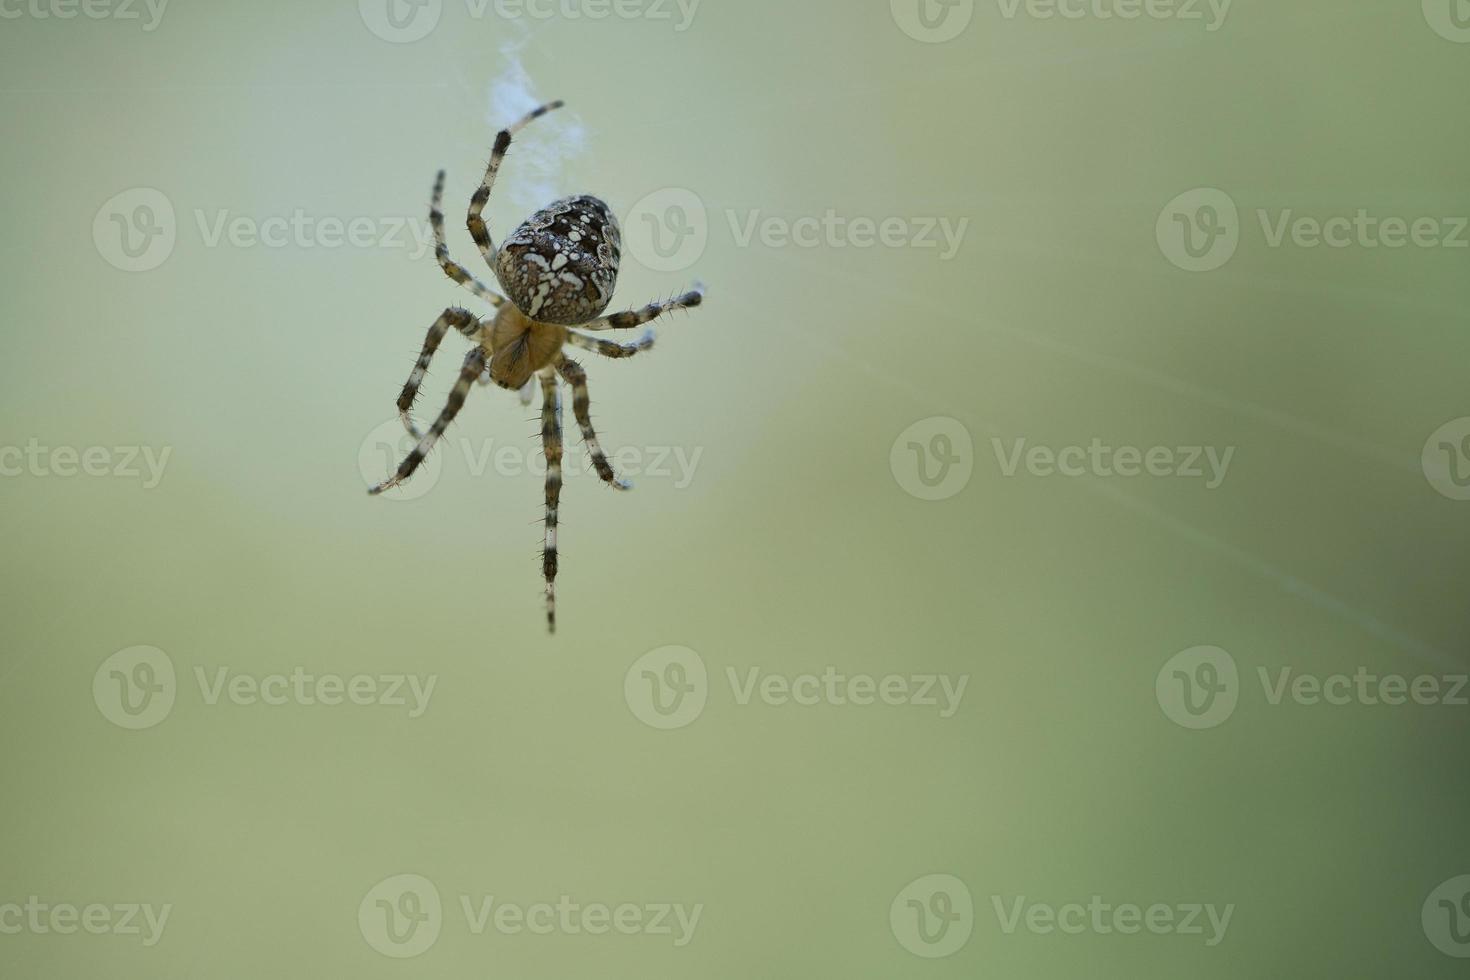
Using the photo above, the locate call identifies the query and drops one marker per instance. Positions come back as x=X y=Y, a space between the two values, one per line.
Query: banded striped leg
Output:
x=637 y=318
x=608 y=348
x=451 y=268
x=474 y=363
x=462 y=320
x=475 y=222
x=551 y=441
x=582 y=409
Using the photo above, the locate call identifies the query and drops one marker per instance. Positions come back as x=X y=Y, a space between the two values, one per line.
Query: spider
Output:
x=557 y=270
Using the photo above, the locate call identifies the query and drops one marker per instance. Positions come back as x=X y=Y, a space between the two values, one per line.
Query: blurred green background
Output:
x=145 y=157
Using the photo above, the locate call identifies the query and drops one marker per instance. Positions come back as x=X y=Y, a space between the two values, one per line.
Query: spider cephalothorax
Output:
x=558 y=269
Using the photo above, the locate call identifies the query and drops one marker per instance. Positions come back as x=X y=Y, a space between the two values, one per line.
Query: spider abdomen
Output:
x=561 y=265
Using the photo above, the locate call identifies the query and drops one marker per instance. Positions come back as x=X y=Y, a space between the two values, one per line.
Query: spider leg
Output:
x=551 y=441
x=608 y=348
x=475 y=222
x=636 y=318
x=474 y=363
x=581 y=407
x=462 y=320
x=451 y=268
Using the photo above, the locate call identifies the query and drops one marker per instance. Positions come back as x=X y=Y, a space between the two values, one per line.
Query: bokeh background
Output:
x=177 y=287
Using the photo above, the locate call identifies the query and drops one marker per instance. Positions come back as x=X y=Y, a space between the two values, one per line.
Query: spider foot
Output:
x=381 y=487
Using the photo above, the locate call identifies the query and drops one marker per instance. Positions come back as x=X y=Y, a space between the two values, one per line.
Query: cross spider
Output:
x=558 y=270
